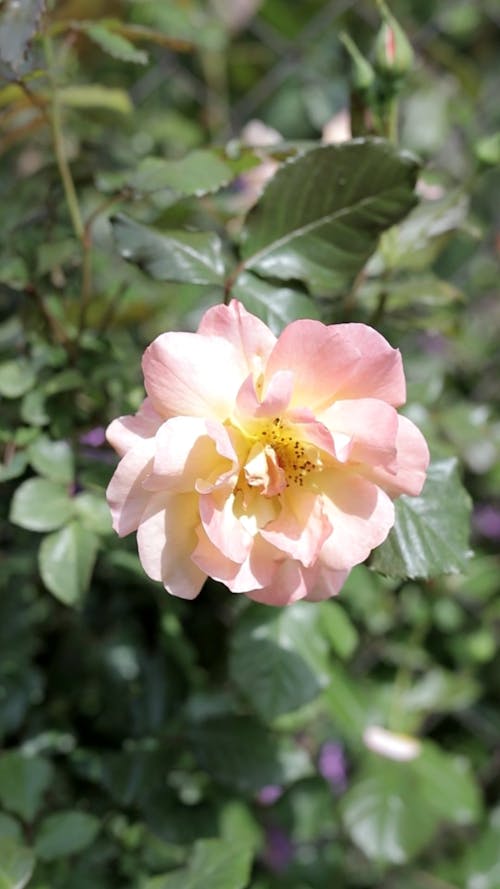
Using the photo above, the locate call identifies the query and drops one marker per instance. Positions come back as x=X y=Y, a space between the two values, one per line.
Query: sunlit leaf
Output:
x=66 y=559
x=431 y=532
x=193 y=257
x=320 y=216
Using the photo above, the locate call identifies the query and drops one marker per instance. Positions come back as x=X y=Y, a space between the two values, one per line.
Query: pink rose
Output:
x=268 y=464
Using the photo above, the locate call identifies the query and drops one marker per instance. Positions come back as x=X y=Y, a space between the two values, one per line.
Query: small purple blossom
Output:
x=269 y=794
x=332 y=766
x=94 y=437
x=487 y=521
x=279 y=849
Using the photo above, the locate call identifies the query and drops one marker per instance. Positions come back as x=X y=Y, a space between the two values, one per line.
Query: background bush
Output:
x=153 y=743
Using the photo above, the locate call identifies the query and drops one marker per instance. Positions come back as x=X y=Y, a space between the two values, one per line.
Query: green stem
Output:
x=392 y=121
x=59 y=149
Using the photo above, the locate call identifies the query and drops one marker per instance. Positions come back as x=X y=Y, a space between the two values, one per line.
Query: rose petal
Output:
x=361 y=515
x=290 y=583
x=411 y=462
x=275 y=401
x=126 y=496
x=124 y=432
x=223 y=527
x=193 y=375
x=166 y=538
x=185 y=456
x=256 y=571
x=338 y=361
x=302 y=527
x=370 y=425
x=248 y=334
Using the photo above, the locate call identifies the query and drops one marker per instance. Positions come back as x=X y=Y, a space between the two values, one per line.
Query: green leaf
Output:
x=93 y=95
x=419 y=240
x=10 y=828
x=13 y=272
x=488 y=150
x=115 y=45
x=66 y=561
x=320 y=216
x=93 y=512
x=193 y=257
x=16 y=864
x=16 y=378
x=213 y=864
x=278 y=658
x=384 y=815
x=200 y=172
x=276 y=306
x=23 y=782
x=14 y=467
x=447 y=785
x=18 y=25
x=339 y=628
x=40 y=505
x=431 y=532
x=52 y=459
x=480 y=863
x=65 y=833
x=240 y=753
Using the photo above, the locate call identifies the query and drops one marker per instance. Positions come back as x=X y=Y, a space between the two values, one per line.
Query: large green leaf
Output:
x=278 y=658
x=20 y=20
x=276 y=305
x=66 y=559
x=65 y=833
x=23 y=782
x=40 y=505
x=16 y=378
x=192 y=257
x=392 y=811
x=320 y=216
x=214 y=864
x=239 y=752
x=16 y=864
x=384 y=815
x=52 y=459
x=430 y=535
x=198 y=173
x=115 y=45
x=447 y=785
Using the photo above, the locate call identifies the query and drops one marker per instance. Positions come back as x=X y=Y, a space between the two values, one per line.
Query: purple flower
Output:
x=332 y=766
x=94 y=437
x=269 y=794
x=279 y=849
x=487 y=521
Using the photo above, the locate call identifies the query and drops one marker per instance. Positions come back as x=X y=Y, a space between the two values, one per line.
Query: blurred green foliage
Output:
x=154 y=744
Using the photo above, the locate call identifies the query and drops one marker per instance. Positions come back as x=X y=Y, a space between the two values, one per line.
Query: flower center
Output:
x=279 y=459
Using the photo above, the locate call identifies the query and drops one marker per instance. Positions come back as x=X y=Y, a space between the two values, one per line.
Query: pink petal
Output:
x=166 y=539
x=192 y=375
x=125 y=432
x=371 y=426
x=302 y=527
x=223 y=528
x=361 y=515
x=338 y=361
x=411 y=462
x=328 y=583
x=185 y=455
x=317 y=356
x=248 y=334
x=378 y=373
x=276 y=398
x=256 y=571
x=290 y=583
x=126 y=496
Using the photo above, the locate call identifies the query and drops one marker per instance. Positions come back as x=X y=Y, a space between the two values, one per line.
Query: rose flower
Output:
x=269 y=464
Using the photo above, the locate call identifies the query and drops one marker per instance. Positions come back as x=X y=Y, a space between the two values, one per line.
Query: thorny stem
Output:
x=228 y=285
